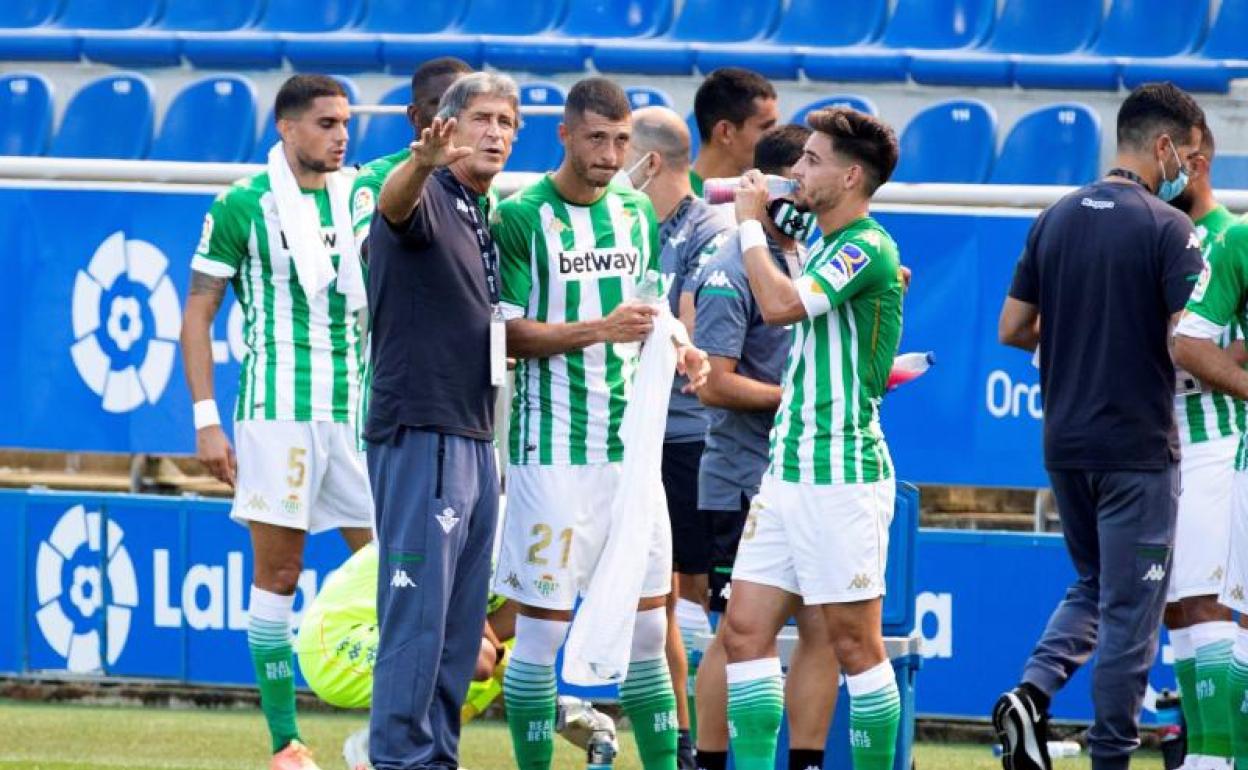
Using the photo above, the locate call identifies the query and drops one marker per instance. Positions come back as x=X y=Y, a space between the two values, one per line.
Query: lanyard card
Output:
x=498 y=349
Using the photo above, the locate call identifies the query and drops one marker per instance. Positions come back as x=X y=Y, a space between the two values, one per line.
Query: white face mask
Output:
x=625 y=175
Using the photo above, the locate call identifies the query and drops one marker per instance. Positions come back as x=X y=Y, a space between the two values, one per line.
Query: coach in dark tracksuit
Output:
x=1104 y=274
x=432 y=282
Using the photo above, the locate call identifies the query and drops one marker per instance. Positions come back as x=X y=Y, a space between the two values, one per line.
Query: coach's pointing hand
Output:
x=435 y=147
x=214 y=451
x=629 y=322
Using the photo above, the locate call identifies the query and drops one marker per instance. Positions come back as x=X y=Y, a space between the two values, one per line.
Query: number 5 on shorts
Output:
x=298 y=468
x=545 y=535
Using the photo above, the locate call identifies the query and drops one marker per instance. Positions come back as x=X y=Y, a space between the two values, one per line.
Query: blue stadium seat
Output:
x=268 y=132
x=645 y=96
x=161 y=45
x=386 y=134
x=384 y=28
x=1221 y=59
x=62 y=39
x=123 y=103
x=1032 y=27
x=695 y=138
x=805 y=23
x=262 y=45
x=1058 y=144
x=567 y=48
x=953 y=141
x=1133 y=28
x=537 y=147
x=700 y=22
x=1229 y=172
x=853 y=101
x=915 y=24
x=468 y=40
x=25 y=114
x=212 y=120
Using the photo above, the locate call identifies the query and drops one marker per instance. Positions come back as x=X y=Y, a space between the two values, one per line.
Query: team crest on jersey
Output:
x=841 y=267
x=590 y=264
x=555 y=226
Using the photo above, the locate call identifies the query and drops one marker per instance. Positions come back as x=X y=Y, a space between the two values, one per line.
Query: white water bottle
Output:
x=724 y=189
x=650 y=289
x=909 y=366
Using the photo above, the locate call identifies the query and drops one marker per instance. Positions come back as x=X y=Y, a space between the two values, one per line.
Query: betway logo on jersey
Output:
x=588 y=264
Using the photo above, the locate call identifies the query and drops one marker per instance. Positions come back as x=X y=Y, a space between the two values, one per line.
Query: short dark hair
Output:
x=1154 y=109
x=436 y=68
x=299 y=91
x=728 y=93
x=780 y=147
x=1207 y=145
x=865 y=138
x=599 y=95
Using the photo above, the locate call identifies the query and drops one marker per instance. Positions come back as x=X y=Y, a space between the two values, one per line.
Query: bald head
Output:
x=662 y=131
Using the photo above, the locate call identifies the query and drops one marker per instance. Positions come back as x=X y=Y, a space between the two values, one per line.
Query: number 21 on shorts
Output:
x=545 y=536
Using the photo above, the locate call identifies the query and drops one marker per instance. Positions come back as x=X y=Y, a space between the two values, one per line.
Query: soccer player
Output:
x=429 y=82
x=573 y=247
x=1218 y=304
x=1202 y=631
x=817 y=531
x=1110 y=445
x=690 y=230
x=298 y=470
x=743 y=390
x=732 y=107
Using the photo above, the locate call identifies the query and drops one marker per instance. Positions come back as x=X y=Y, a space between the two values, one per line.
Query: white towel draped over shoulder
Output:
x=601 y=638
x=301 y=222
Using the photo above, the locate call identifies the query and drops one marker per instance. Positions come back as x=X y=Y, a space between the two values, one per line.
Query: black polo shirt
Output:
x=430 y=310
x=1108 y=265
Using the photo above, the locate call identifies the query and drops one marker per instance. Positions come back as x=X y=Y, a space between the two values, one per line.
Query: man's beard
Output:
x=314 y=165
x=1184 y=201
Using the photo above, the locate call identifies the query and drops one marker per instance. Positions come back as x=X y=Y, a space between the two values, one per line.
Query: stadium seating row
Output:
x=1030 y=43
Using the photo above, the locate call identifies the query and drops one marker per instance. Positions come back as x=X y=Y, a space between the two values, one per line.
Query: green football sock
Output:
x=874 y=716
x=1237 y=700
x=529 y=694
x=1185 y=673
x=755 y=708
x=1213 y=643
x=647 y=697
x=273 y=659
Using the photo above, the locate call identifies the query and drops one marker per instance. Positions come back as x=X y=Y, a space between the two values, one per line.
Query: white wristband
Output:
x=206 y=414
x=751 y=234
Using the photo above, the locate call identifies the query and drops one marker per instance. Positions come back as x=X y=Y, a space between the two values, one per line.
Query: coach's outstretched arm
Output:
x=211 y=445
x=401 y=192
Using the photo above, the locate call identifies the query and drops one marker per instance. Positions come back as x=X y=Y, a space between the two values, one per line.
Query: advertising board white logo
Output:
x=83 y=575
x=126 y=319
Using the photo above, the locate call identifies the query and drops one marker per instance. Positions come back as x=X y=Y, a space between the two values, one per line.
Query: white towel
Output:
x=301 y=222
x=601 y=638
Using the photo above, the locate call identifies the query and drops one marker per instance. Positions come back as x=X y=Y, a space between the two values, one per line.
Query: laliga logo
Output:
x=126 y=321
x=102 y=586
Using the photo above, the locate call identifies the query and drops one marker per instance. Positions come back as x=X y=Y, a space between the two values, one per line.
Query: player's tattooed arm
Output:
x=202 y=304
x=209 y=286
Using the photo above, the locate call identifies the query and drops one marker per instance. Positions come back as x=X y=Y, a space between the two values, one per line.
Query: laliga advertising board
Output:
x=93 y=312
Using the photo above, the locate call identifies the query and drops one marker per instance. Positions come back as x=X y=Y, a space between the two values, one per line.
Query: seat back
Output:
x=710 y=21
x=106 y=14
x=952 y=141
x=1046 y=26
x=25 y=114
x=108 y=118
x=1152 y=28
x=209 y=15
x=268 y=132
x=617 y=18
x=536 y=147
x=939 y=23
x=385 y=134
x=852 y=101
x=857 y=22
x=210 y=120
x=1058 y=144
x=645 y=96
x=507 y=17
x=1229 y=172
x=398 y=16
x=1226 y=38
x=28 y=13
x=311 y=15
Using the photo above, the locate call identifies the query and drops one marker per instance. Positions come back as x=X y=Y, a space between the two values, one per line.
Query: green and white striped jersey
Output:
x=827 y=430
x=561 y=263
x=1209 y=415
x=367 y=189
x=304 y=355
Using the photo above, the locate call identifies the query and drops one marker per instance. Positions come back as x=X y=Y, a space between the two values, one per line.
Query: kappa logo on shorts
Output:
x=1236 y=593
x=860 y=582
x=514 y=582
x=1216 y=575
x=586 y=264
x=1155 y=574
x=400 y=579
x=256 y=503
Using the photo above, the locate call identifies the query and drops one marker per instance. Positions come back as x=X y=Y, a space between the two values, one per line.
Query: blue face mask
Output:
x=1169 y=189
